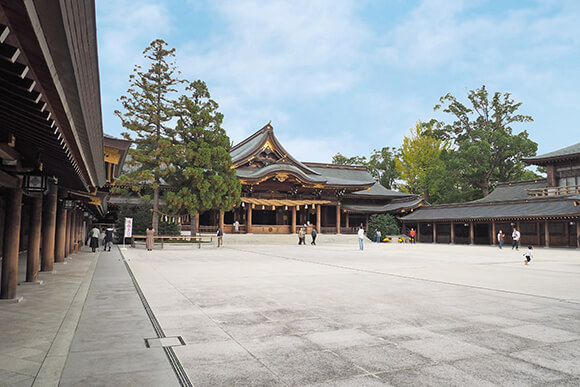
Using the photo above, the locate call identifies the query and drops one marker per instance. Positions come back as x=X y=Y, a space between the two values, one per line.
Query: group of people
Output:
x=105 y=235
x=516 y=235
x=302 y=235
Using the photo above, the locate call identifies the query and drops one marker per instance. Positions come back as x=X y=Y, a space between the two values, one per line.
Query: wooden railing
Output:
x=554 y=191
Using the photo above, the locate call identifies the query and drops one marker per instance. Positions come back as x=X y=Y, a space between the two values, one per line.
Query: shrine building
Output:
x=281 y=193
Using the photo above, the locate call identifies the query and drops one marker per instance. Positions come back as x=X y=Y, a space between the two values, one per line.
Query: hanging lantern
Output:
x=273 y=208
x=286 y=208
x=263 y=207
x=314 y=206
x=243 y=204
x=35 y=182
x=306 y=206
x=68 y=203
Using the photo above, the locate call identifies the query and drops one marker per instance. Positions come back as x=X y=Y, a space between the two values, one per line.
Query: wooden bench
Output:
x=199 y=239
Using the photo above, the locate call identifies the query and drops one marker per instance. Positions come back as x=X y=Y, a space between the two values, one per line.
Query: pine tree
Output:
x=149 y=107
x=199 y=159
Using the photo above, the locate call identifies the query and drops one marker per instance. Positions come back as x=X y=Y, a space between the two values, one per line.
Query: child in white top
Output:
x=529 y=254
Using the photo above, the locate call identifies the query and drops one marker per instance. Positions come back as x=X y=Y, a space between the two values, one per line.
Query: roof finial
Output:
x=268 y=124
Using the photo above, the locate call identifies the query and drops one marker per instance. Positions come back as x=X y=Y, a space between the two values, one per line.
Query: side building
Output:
x=545 y=211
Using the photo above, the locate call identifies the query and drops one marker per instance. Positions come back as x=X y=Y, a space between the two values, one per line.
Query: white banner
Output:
x=128 y=227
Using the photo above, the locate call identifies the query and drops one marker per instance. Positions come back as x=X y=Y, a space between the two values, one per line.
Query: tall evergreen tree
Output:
x=148 y=109
x=198 y=158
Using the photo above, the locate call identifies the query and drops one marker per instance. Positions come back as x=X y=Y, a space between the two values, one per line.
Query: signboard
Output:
x=128 y=227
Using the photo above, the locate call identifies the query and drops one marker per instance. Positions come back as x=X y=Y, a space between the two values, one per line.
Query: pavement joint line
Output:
x=176 y=365
x=408 y=277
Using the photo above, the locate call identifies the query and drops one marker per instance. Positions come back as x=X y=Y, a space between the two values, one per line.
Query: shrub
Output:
x=386 y=224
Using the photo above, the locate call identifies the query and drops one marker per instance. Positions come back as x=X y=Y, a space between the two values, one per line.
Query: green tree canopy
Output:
x=485 y=149
x=148 y=109
x=420 y=163
x=385 y=223
x=199 y=159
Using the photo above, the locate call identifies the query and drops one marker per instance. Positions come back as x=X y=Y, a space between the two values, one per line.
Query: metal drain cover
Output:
x=156 y=342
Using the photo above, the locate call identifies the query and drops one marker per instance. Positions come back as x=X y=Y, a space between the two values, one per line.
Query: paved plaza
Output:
x=279 y=314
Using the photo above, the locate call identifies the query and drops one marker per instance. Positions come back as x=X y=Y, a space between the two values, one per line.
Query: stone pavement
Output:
x=256 y=314
x=330 y=315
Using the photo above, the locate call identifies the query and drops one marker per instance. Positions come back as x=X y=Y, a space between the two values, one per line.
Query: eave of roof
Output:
x=568 y=153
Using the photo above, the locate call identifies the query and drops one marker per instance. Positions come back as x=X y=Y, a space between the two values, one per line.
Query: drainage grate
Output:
x=157 y=342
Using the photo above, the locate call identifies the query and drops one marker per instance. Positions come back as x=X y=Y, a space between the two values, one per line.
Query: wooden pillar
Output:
x=49 y=229
x=471 y=233
x=567 y=223
x=249 y=219
x=434 y=232
x=67 y=233
x=11 y=245
x=59 y=249
x=418 y=233
x=493 y=233
x=546 y=234
x=338 y=218
x=32 y=263
x=538 y=237
x=318 y=218
x=221 y=221
x=347 y=225
x=577 y=232
x=452 y=232
x=366 y=221
x=196 y=222
x=293 y=229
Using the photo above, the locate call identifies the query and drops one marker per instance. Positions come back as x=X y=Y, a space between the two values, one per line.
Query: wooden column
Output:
x=196 y=222
x=67 y=233
x=33 y=258
x=249 y=219
x=538 y=234
x=493 y=233
x=293 y=229
x=418 y=233
x=59 y=248
x=318 y=218
x=49 y=229
x=567 y=223
x=546 y=234
x=434 y=232
x=471 y=233
x=577 y=233
x=338 y=218
x=11 y=245
x=452 y=233
x=347 y=225
x=221 y=220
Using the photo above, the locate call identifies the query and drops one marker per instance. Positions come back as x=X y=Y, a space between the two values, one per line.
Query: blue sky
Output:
x=351 y=76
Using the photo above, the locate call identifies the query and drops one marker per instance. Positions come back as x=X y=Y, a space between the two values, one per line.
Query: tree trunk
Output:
x=155 y=218
x=192 y=228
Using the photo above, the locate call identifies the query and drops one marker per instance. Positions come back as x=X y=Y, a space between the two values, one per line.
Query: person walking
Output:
x=313 y=234
x=516 y=239
x=378 y=236
x=220 y=236
x=412 y=234
x=361 y=237
x=109 y=238
x=237 y=227
x=529 y=255
x=150 y=238
x=500 y=238
x=94 y=235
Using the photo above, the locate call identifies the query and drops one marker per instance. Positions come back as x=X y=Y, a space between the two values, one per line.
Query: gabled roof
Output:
x=568 y=153
x=264 y=141
x=396 y=205
x=515 y=190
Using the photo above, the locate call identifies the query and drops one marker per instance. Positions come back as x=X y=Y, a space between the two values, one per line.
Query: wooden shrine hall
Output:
x=545 y=211
x=280 y=193
x=53 y=159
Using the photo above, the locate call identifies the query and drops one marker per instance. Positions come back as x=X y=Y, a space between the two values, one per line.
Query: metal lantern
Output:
x=69 y=203
x=35 y=182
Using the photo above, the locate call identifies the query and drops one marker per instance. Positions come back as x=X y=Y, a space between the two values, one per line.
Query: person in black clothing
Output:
x=313 y=234
x=108 y=238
